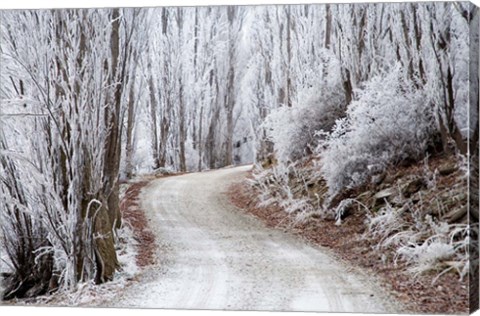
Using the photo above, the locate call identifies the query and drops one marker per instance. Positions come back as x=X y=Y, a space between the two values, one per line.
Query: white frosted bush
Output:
x=293 y=130
x=390 y=121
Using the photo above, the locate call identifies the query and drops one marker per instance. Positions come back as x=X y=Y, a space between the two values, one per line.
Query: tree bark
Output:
x=288 y=84
x=130 y=125
x=230 y=96
x=182 y=130
x=328 y=26
x=104 y=247
x=154 y=126
x=200 y=147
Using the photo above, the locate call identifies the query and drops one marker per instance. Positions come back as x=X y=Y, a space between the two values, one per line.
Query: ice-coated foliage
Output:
x=277 y=190
x=59 y=147
x=387 y=221
x=440 y=247
x=422 y=241
x=390 y=122
x=294 y=130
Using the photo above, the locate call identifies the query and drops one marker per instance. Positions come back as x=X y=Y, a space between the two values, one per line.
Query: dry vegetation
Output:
x=421 y=193
x=135 y=217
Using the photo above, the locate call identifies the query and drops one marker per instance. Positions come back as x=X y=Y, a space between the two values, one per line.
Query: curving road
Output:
x=213 y=256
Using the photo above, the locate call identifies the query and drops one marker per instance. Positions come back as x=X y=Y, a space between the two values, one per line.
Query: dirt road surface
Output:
x=211 y=255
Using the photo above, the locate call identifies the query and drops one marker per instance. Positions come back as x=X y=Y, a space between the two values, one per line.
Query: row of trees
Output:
x=64 y=79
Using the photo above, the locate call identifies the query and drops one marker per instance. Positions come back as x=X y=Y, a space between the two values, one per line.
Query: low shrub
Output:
x=389 y=122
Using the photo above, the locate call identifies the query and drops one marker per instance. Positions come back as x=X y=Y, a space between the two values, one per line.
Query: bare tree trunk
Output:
x=166 y=111
x=456 y=134
x=288 y=96
x=154 y=127
x=182 y=131
x=113 y=149
x=230 y=104
x=449 y=130
x=200 y=147
x=211 y=137
x=165 y=128
x=230 y=96
x=347 y=86
x=229 y=140
x=418 y=40
x=195 y=75
x=130 y=125
x=328 y=26
x=109 y=216
x=165 y=124
x=328 y=31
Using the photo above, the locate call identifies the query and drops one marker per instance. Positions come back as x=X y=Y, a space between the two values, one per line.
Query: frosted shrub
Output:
x=293 y=130
x=390 y=121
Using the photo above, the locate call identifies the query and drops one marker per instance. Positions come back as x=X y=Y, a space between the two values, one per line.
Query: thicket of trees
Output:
x=64 y=78
x=91 y=96
x=427 y=46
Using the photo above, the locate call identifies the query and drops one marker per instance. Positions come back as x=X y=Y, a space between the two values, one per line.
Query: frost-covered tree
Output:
x=430 y=41
x=66 y=127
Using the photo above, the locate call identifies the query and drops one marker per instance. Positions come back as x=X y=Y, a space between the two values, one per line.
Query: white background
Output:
x=31 y=4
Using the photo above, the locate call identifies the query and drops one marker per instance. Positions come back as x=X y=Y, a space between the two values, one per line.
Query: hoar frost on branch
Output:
x=60 y=167
x=389 y=122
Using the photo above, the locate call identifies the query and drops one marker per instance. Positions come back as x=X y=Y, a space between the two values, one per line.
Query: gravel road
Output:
x=211 y=255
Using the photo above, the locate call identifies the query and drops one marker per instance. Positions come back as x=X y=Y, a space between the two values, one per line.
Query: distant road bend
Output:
x=213 y=256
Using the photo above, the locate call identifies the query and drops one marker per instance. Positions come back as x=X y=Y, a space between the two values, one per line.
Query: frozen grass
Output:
x=386 y=222
x=445 y=249
x=425 y=244
x=275 y=189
